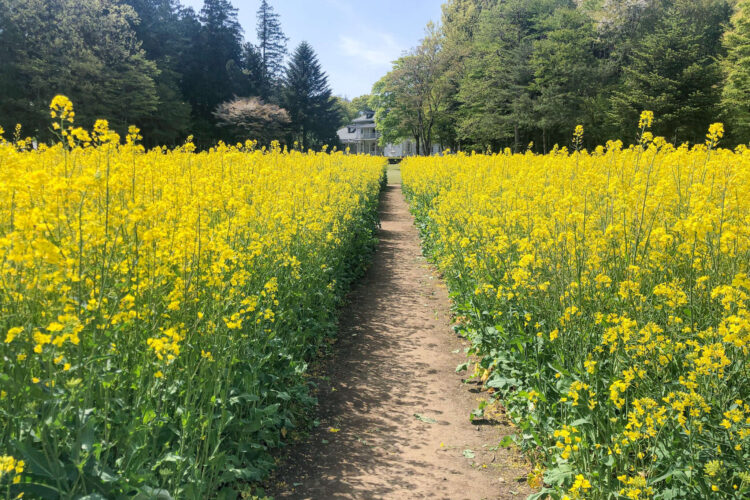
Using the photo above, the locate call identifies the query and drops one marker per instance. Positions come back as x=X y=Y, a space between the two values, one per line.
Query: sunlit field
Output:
x=158 y=308
x=607 y=299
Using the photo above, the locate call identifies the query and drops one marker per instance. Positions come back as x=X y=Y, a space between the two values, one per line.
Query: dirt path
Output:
x=396 y=357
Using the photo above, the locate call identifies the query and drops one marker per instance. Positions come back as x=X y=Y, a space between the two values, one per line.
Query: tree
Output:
x=271 y=47
x=164 y=32
x=496 y=94
x=565 y=68
x=252 y=70
x=307 y=97
x=410 y=100
x=85 y=49
x=460 y=20
x=213 y=71
x=251 y=118
x=673 y=73
x=350 y=109
x=735 y=99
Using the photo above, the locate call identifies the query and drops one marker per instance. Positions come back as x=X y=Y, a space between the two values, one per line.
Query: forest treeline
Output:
x=492 y=74
x=165 y=68
x=507 y=73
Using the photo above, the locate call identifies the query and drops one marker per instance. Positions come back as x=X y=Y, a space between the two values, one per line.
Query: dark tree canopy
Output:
x=736 y=92
x=307 y=97
x=85 y=49
x=271 y=48
x=155 y=64
x=494 y=74
x=515 y=72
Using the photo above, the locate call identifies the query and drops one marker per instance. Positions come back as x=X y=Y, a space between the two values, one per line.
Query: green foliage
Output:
x=674 y=74
x=151 y=63
x=86 y=49
x=736 y=93
x=564 y=64
x=515 y=72
x=271 y=49
x=164 y=34
x=350 y=109
x=307 y=97
x=213 y=72
x=497 y=94
x=410 y=101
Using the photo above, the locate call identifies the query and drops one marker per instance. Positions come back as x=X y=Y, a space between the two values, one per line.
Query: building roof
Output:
x=365 y=116
x=350 y=133
x=345 y=135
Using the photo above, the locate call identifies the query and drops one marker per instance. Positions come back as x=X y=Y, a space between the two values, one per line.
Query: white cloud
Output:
x=375 y=49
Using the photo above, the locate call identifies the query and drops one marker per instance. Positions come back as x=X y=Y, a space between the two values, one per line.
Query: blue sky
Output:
x=355 y=40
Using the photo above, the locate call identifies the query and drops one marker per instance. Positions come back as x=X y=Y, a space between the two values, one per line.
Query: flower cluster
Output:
x=11 y=468
x=158 y=308
x=614 y=286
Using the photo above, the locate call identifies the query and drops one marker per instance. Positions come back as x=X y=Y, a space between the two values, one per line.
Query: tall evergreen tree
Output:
x=735 y=98
x=459 y=23
x=565 y=83
x=673 y=73
x=496 y=93
x=307 y=97
x=165 y=35
x=213 y=72
x=252 y=69
x=271 y=47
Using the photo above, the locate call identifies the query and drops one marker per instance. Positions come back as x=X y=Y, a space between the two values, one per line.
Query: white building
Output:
x=360 y=136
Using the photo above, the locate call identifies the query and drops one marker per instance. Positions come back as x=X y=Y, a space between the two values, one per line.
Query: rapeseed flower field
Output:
x=158 y=308
x=606 y=295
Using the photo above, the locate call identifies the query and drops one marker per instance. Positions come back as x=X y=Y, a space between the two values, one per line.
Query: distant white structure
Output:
x=361 y=137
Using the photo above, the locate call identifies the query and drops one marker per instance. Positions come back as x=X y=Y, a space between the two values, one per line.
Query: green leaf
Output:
x=148 y=493
x=40 y=465
x=502 y=382
x=506 y=441
x=34 y=490
x=469 y=453
x=558 y=475
x=148 y=416
x=427 y=420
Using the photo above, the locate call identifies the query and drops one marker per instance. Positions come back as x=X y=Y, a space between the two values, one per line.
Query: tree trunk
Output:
x=517 y=139
x=544 y=139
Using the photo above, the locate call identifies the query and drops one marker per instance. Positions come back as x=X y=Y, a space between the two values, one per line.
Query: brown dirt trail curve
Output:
x=396 y=357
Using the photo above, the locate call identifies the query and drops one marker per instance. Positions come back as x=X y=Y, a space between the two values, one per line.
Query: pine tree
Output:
x=735 y=99
x=161 y=31
x=271 y=47
x=564 y=83
x=459 y=23
x=252 y=69
x=496 y=94
x=674 y=75
x=213 y=72
x=307 y=97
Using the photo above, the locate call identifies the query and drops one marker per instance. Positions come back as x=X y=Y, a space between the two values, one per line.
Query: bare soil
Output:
x=394 y=414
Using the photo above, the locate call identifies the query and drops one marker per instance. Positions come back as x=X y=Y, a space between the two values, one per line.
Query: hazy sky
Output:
x=355 y=40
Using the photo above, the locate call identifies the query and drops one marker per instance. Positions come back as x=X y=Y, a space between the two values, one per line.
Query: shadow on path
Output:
x=395 y=357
